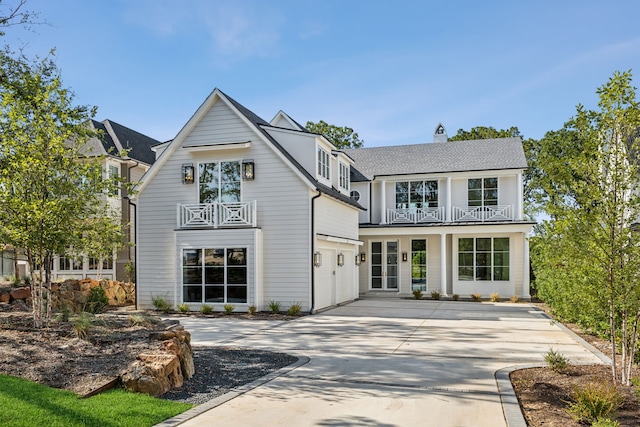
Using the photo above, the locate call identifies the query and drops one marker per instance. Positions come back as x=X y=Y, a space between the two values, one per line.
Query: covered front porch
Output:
x=447 y=260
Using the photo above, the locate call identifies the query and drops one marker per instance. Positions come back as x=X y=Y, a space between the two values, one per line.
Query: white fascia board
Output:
x=337 y=239
x=468 y=228
x=441 y=175
x=221 y=146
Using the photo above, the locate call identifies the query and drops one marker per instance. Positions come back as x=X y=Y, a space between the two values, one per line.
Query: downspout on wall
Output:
x=313 y=249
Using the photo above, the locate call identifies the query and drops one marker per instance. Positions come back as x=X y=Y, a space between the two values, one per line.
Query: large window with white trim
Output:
x=482 y=191
x=483 y=258
x=219 y=182
x=324 y=169
x=212 y=275
x=344 y=176
x=416 y=194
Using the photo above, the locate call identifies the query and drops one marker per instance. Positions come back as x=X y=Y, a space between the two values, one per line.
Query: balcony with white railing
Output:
x=215 y=215
x=483 y=213
x=415 y=215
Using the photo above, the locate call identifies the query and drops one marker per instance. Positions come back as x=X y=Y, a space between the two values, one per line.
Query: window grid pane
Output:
x=221 y=276
x=483 y=259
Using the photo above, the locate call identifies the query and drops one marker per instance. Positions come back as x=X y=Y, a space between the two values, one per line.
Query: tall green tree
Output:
x=484 y=132
x=587 y=255
x=49 y=182
x=340 y=136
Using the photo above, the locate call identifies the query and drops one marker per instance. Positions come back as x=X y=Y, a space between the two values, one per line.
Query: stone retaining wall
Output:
x=71 y=294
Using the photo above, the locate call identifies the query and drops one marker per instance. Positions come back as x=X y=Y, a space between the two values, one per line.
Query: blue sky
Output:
x=390 y=70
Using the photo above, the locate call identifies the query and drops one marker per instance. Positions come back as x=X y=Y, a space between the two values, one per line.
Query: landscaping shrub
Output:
x=605 y=422
x=515 y=298
x=495 y=297
x=252 y=309
x=594 y=401
x=228 y=308
x=206 y=309
x=417 y=294
x=161 y=303
x=97 y=300
x=81 y=325
x=435 y=294
x=556 y=361
x=476 y=297
x=455 y=297
x=183 y=308
x=294 y=309
x=274 y=306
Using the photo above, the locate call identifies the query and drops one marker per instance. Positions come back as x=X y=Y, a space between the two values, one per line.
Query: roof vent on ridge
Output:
x=440 y=135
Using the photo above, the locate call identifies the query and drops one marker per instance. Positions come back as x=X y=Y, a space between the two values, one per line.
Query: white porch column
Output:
x=383 y=203
x=525 y=263
x=447 y=213
x=519 y=196
x=443 y=264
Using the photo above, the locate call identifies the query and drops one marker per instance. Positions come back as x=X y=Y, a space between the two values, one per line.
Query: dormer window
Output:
x=323 y=163
x=344 y=176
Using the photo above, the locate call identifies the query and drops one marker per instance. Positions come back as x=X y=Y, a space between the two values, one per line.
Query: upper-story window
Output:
x=483 y=191
x=113 y=173
x=219 y=182
x=355 y=195
x=416 y=194
x=323 y=163
x=344 y=176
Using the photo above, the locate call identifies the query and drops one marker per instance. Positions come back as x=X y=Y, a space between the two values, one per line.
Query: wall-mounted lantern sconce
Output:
x=363 y=257
x=357 y=259
x=340 y=259
x=317 y=259
x=248 y=170
x=404 y=257
x=188 y=173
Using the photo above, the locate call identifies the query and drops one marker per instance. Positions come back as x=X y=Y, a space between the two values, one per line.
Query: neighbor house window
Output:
x=323 y=163
x=483 y=191
x=344 y=176
x=97 y=263
x=219 y=182
x=214 y=275
x=419 y=265
x=114 y=173
x=69 y=262
x=483 y=258
x=416 y=194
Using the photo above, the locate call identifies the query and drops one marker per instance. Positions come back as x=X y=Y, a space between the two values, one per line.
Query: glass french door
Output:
x=384 y=265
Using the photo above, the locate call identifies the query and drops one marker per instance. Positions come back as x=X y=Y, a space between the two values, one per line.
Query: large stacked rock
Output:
x=155 y=373
x=15 y=298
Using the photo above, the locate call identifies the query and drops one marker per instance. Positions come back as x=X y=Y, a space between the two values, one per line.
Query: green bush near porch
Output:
x=25 y=404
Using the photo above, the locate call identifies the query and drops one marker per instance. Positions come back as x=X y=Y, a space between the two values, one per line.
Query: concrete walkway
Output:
x=388 y=362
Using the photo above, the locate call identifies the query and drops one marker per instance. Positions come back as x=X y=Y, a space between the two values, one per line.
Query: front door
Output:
x=384 y=265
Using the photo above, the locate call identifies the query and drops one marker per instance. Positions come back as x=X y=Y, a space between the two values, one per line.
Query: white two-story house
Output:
x=237 y=210
x=443 y=216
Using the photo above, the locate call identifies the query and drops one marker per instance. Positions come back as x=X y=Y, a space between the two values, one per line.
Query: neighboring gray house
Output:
x=115 y=140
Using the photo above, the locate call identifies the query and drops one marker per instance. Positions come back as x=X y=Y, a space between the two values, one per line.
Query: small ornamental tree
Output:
x=49 y=182
x=587 y=255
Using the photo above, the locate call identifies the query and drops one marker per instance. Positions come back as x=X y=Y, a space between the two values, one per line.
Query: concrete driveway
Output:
x=387 y=362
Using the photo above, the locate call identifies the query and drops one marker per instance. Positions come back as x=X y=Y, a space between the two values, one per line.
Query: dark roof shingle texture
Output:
x=438 y=157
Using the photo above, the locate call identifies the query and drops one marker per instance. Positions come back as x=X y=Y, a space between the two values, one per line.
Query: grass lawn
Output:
x=25 y=403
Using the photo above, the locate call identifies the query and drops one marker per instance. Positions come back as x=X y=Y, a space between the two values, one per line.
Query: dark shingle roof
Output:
x=137 y=144
x=440 y=157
